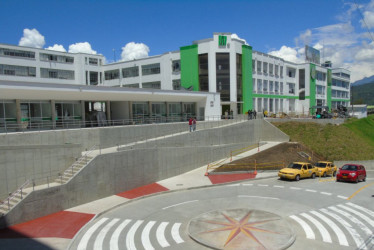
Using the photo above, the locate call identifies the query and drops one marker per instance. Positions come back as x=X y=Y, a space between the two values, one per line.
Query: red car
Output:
x=351 y=172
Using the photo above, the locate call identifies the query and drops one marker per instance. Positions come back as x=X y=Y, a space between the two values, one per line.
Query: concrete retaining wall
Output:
x=369 y=165
x=319 y=121
x=120 y=171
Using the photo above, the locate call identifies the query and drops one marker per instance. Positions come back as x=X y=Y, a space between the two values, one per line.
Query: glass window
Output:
x=130 y=72
x=265 y=86
x=265 y=67
x=57 y=73
x=271 y=86
x=291 y=88
x=151 y=69
x=259 y=64
x=56 y=58
x=253 y=65
x=151 y=85
x=111 y=74
x=203 y=72
x=271 y=69
x=133 y=85
x=17 y=53
x=93 y=61
x=281 y=71
x=177 y=84
x=259 y=86
x=276 y=87
x=94 y=78
x=223 y=75
x=14 y=70
x=176 y=66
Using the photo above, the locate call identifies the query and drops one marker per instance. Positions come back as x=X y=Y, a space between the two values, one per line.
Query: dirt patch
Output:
x=273 y=158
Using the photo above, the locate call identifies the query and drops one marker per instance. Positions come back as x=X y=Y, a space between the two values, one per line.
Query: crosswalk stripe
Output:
x=364 y=217
x=175 y=233
x=130 y=244
x=160 y=234
x=100 y=237
x=115 y=236
x=339 y=233
x=86 y=237
x=324 y=233
x=145 y=236
x=356 y=237
x=353 y=219
x=371 y=213
x=308 y=231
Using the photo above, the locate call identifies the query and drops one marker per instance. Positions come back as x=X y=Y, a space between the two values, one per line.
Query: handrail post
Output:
x=8 y=204
x=21 y=194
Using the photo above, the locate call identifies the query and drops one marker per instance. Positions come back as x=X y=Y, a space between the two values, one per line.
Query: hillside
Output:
x=363 y=94
x=354 y=140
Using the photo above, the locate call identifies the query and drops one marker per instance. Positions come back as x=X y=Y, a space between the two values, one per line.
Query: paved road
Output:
x=317 y=210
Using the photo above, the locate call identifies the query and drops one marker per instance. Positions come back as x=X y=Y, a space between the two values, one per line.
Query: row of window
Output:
x=265 y=86
x=340 y=94
x=13 y=70
x=267 y=68
x=17 y=53
x=341 y=74
x=340 y=83
x=150 y=69
x=56 y=58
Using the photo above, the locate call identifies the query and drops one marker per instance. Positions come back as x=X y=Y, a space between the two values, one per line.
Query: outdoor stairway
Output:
x=7 y=205
x=71 y=171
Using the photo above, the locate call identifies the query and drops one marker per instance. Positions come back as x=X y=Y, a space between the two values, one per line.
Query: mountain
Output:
x=364 y=81
x=363 y=94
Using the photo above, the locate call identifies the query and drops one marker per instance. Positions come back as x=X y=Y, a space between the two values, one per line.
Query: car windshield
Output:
x=295 y=166
x=349 y=167
x=320 y=164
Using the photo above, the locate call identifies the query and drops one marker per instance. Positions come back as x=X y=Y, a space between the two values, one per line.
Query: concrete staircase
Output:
x=75 y=168
x=7 y=204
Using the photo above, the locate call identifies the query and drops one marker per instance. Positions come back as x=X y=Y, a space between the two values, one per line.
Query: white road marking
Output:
x=326 y=193
x=100 y=237
x=354 y=220
x=160 y=234
x=115 y=236
x=356 y=237
x=364 y=217
x=262 y=185
x=311 y=190
x=175 y=233
x=86 y=237
x=130 y=243
x=339 y=233
x=261 y=197
x=342 y=197
x=295 y=188
x=324 y=233
x=247 y=184
x=276 y=186
x=233 y=185
x=361 y=208
x=308 y=231
x=145 y=236
x=179 y=204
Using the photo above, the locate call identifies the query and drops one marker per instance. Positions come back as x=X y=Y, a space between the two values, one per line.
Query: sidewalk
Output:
x=56 y=230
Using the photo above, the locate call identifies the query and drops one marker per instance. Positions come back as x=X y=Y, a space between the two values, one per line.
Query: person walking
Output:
x=254 y=114
x=194 y=124
x=190 y=121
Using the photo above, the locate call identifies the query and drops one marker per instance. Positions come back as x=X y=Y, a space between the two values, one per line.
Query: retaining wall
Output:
x=319 y=121
x=369 y=165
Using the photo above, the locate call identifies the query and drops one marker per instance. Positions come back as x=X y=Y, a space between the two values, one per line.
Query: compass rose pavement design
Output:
x=241 y=229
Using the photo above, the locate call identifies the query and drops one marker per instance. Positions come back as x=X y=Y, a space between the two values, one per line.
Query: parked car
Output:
x=297 y=170
x=325 y=168
x=351 y=172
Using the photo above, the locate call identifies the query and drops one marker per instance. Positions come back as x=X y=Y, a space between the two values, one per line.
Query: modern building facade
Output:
x=204 y=79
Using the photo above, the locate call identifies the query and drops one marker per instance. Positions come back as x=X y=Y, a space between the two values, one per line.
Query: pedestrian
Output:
x=254 y=113
x=194 y=124
x=249 y=114
x=190 y=123
x=231 y=114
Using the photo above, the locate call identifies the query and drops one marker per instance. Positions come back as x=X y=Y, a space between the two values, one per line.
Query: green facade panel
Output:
x=312 y=86
x=329 y=84
x=247 y=84
x=190 y=67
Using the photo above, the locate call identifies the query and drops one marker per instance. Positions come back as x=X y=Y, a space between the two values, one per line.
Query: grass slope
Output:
x=352 y=141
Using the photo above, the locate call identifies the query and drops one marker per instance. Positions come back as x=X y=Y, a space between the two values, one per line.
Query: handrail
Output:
x=81 y=159
x=14 y=194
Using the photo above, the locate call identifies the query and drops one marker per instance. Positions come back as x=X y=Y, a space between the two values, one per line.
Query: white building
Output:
x=207 y=78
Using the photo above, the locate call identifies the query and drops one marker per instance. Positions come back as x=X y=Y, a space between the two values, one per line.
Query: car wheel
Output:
x=337 y=180
x=334 y=174
x=324 y=174
x=364 y=178
x=314 y=175
x=297 y=177
x=356 y=180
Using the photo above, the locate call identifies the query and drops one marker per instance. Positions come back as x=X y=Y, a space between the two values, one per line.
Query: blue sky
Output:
x=280 y=27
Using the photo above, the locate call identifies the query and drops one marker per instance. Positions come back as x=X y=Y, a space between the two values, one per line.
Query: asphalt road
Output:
x=322 y=214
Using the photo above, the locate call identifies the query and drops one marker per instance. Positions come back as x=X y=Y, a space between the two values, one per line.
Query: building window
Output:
x=276 y=70
x=259 y=64
x=94 y=78
x=93 y=61
x=276 y=87
x=203 y=72
x=111 y=74
x=177 y=84
x=265 y=86
x=253 y=65
x=281 y=71
x=239 y=84
x=151 y=85
x=176 y=66
x=17 y=53
x=259 y=86
x=56 y=58
x=151 y=69
x=321 y=76
x=133 y=85
x=223 y=75
x=271 y=86
x=13 y=70
x=265 y=67
x=271 y=69
x=291 y=88
x=130 y=72
x=57 y=73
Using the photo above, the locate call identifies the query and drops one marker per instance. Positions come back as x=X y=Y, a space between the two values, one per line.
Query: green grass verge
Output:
x=354 y=140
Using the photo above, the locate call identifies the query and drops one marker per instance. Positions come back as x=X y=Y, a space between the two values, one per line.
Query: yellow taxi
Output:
x=325 y=168
x=297 y=170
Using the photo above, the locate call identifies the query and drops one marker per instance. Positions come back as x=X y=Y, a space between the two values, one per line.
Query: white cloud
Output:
x=32 y=38
x=369 y=20
x=57 y=47
x=287 y=53
x=133 y=51
x=81 y=48
x=237 y=37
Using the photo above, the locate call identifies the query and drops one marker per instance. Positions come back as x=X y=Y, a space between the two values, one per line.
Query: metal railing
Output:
x=5 y=204
x=78 y=163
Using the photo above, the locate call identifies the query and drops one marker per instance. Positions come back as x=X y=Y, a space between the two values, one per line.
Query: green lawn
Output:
x=354 y=140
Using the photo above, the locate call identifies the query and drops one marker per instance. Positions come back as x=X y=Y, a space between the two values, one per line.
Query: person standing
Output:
x=194 y=124
x=190 y=121
x=254 y=114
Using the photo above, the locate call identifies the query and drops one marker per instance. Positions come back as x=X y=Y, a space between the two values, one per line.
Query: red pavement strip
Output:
x=223 y=178
x=63 y=224
x=143 y=190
